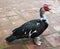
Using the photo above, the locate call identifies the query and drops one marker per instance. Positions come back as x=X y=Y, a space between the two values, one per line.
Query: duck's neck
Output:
x=43 y=16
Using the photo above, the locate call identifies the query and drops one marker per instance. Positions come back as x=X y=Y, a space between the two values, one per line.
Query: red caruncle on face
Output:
x=46 y=8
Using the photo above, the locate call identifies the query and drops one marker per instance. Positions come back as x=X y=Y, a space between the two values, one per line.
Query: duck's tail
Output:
x=10 y=38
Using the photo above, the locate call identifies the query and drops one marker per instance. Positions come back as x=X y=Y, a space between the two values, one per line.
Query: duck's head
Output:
x=46 y=7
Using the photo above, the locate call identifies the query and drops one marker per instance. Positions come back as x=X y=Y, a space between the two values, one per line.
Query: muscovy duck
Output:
x=32 y=28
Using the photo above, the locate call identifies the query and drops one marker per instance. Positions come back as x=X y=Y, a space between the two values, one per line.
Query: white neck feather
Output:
x=44 y=18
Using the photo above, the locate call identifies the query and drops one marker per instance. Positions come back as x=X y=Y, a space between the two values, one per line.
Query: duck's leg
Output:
x=36 y=37
x=37 y=40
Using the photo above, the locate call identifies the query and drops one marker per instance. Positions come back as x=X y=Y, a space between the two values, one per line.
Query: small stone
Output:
x=22 y=10
x=16 y=17
x=4 y=19
x=5 y=31
x=13 y=22
x=57 y=28
x=14 y=8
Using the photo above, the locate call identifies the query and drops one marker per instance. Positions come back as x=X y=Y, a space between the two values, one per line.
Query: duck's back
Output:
x=31 y=24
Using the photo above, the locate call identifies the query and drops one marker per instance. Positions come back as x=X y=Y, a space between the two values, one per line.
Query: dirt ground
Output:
x=14 y=13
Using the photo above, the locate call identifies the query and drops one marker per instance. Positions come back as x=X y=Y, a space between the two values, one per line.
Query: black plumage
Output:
x=32 y=28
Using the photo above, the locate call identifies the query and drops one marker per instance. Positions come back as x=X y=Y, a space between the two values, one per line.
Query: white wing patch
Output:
x=38 y=23
x=25 y=33
x=34 y=31
x=30 y=32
